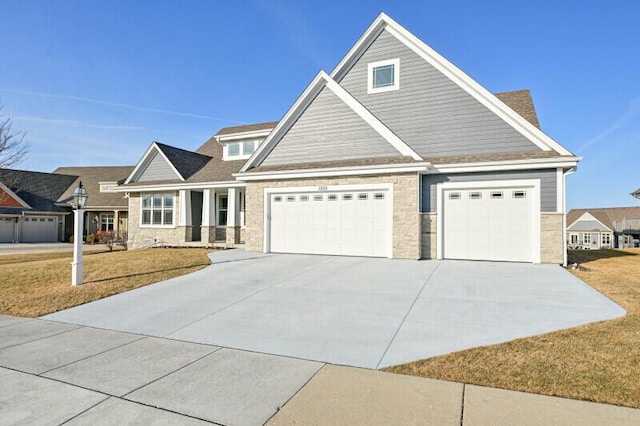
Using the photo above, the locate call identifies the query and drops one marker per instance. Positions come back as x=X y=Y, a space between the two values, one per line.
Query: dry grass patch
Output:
x=595 y=362
x=39 y=284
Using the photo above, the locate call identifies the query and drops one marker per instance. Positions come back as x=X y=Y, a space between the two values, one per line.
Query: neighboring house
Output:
x=636 y=193
x=32 y=208
x=396 y=153
x=603 y=228
x=106 y=210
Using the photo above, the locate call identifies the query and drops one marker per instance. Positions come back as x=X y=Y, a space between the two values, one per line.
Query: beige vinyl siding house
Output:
x=396 y=153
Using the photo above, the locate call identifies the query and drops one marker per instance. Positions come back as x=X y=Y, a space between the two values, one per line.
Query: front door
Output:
x=196 y=216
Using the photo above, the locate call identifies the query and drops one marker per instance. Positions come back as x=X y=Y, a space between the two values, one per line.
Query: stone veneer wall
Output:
x=428 y=235
x=551 y=238
x=142 y=237
x=406 y=219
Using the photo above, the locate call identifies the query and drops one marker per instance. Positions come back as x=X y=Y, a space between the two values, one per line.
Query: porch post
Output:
x=208 y=216
x=185 y=213
x=116 y=224
x=233 y=217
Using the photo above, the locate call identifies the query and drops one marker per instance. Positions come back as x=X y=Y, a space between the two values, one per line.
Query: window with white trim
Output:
x=106 y=222
x=157 y=209
x=383 y=76
x=574 y=238
x=606 y=239
x=238 y=150
x=223 y=203
x=586 y=238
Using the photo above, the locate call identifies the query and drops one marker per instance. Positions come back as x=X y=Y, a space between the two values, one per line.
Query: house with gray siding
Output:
x=394 y=153
x=603 y=228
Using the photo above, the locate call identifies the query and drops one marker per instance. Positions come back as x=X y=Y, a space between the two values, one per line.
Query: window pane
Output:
x=146 y=201
x=168 y=217
x=168 y=200
x=248 y=147
x=157 y=217
x=223 y=202
x=157 y=200
x=234 y=149
x=383 y=76
x=222 y=216
x=146 y=217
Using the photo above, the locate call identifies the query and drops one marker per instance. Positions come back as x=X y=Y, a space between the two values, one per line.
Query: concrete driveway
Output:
x=360 y=312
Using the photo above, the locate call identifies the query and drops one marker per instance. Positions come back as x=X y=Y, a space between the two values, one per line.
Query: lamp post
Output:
x=79 y=199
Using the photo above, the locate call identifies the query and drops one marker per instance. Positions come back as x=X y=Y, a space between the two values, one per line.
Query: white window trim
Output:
x=175 y=216
x=218 y=196
x=533 y=184
x=242 y=155
x=396 y=76
x=386 y=187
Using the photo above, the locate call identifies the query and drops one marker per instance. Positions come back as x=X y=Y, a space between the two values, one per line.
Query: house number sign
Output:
x=322 y=188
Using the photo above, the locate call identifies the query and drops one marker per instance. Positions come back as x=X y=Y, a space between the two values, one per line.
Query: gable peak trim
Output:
x=153 y=149
x=323 y=80
x=482 y=95
x=13 y=195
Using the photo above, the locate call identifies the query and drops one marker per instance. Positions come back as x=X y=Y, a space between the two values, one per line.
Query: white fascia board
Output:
x=369 y=35
x=370 y=119
x=13 y=195
x=303 y=100
x=472 y=87
x=334 y=171
x=170 y=163
x=179 y=186
x=547 y=163
x=243 y=135
x=143 y=160
x=481 y=94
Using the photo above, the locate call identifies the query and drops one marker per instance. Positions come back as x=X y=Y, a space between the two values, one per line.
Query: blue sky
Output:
x=94 y=82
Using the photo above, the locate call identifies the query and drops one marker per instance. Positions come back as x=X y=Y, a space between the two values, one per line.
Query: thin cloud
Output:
x=118 y=105
x=625 y=119
x=75 y=123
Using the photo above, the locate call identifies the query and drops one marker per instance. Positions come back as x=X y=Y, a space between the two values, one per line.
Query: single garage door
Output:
x=6 y=229
x=39 y=229
x=489 y=224
x=351 y=223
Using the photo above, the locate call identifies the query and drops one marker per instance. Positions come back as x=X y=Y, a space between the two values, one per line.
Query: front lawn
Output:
x=595 y=362
x=37 y=284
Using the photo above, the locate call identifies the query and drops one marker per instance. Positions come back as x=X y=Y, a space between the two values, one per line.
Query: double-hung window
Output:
x=157 y=209
x=106 y=222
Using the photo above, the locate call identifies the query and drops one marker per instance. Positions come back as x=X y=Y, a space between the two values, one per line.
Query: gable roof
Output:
x=187 y=163
x=40 y=191
x=91 y=177
x=321 y=81
x=607 y=215
x=384 y=22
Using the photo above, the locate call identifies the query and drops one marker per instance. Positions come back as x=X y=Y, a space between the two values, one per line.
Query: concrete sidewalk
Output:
x=32 y=248
x=54 y=373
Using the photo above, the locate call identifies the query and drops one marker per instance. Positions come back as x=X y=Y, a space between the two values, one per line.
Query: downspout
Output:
x=570 y=171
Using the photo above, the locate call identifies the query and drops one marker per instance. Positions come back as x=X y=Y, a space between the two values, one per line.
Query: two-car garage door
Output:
x=335 y=222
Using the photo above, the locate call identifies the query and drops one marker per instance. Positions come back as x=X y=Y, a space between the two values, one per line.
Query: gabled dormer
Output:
x=240 y=142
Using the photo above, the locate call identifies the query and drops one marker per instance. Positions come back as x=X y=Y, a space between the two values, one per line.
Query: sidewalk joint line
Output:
x=168 y=374
x=84 y=411
x=415 y=300
x=77 y=327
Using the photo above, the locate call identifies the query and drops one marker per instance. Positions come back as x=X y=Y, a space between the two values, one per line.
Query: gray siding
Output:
x=588 y=225
x=429 y=112
x=548 y=188
x=156 y=169
x=329 y=130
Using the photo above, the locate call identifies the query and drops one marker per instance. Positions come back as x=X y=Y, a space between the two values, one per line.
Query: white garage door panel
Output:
x=6 y=230
x=489 y=224
x=354 y=223
x=39 y=229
